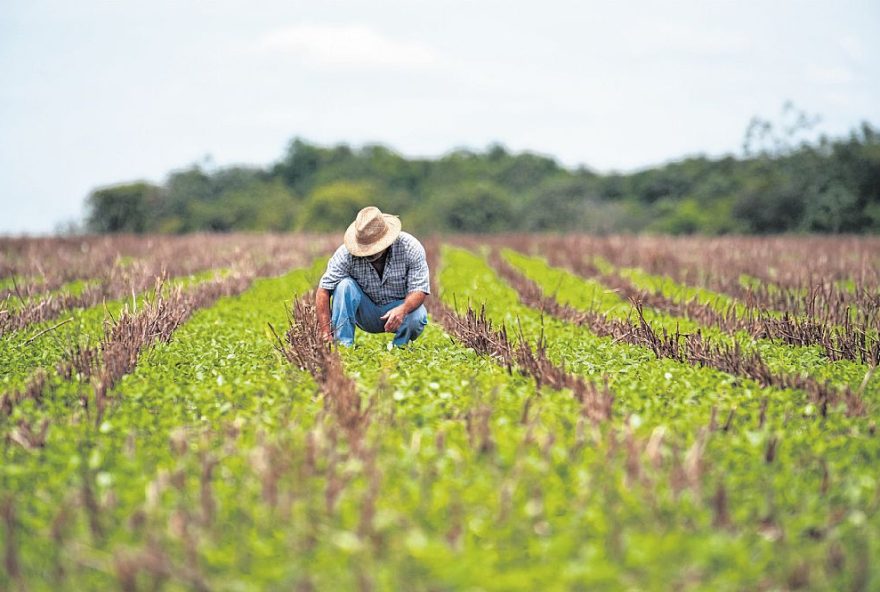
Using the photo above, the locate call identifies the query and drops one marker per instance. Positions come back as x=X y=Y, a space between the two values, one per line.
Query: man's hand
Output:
x=322 y=308
x=394 y=318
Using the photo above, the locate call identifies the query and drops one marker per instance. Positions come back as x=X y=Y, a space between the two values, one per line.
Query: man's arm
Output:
x=418 y=277
x=394 y=317
x=322 y=308
x=338 y=267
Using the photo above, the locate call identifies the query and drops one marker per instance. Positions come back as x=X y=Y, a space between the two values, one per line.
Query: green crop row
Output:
x=523 y=505
x=219 y=466
x=73 y=288
x=678 y=292
x=218 y=375
x=588 y=294
x=9 y=282
x=799 y=487
x=43 y=345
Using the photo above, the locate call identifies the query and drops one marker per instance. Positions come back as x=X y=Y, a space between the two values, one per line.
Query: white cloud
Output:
x=829 y=75
x=853 y=47
x=666 y=37
x=353 y=45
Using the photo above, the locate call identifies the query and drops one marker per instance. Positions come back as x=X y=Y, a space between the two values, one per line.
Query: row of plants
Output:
x=239 y=455
x=34 y=266
x=843 y=331
x=46 y=263
x=786 y=471
x=38 y=342
x=168 y=487
x=831 y=281
x=734 y=264
x=39 y=301
x=49 y=344
x=18 y=298
x=769 y=361
x=484 y=480
x=41 y=311
x=851 y=337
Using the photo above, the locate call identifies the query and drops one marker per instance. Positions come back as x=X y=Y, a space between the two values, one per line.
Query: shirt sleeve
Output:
x=338 y=268
x=417 y=273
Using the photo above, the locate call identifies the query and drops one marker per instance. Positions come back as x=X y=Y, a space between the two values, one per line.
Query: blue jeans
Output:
x=350 y=307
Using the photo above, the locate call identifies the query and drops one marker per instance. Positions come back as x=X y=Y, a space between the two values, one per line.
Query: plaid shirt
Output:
x=406 y=271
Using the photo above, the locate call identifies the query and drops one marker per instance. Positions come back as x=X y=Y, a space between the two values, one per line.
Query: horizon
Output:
x=207 y=163
x=102 y=94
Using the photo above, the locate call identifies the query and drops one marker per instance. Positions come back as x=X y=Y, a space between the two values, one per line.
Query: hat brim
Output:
x=360 y=250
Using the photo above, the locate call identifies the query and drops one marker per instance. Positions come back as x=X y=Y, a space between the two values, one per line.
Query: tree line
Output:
x=778 y=184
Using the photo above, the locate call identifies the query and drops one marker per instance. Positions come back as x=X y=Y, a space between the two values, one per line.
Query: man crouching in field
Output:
x=378 y=279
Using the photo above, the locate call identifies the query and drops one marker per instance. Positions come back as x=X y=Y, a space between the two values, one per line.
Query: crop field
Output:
x=581 y=413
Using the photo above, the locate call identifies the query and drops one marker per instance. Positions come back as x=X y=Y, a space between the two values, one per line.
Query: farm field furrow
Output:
x=684 y=402
x=188 y=405
x=42 y=311
x=70 y=289
x=46 y=344
x=771 y=275
x=808 y=328
x=467 y=277
x=542 y=433
x=808 y=315
x=125 y=275
x=780 y=358
x=674 y=291
x=44 y=265
x=779 y=263
x=49 y=342
x=450 y=427
x=49 y=262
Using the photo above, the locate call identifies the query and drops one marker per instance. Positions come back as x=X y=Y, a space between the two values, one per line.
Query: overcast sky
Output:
x=97 y=92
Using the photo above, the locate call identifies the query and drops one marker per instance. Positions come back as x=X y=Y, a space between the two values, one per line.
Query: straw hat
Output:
x=371 y=232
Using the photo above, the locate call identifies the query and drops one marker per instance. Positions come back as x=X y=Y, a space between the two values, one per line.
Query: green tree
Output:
x=334 y=206
x=770 y=204
x=222 y=200
x=784 y=181
x=265 y=205
x=524 y=171
x=182 y=189
x=299 y=165
x=833 y=209
x=121 y=208
x=473 y=207
x=560 y=203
